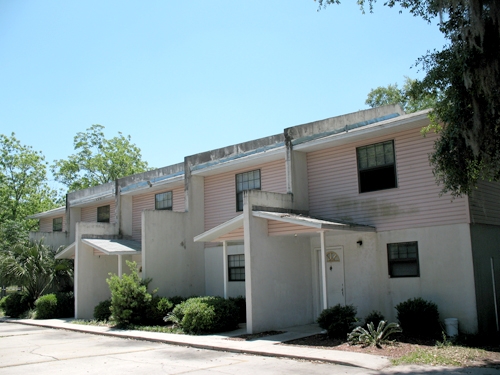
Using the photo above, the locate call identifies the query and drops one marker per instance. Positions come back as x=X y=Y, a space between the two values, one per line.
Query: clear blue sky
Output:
x=182 y=77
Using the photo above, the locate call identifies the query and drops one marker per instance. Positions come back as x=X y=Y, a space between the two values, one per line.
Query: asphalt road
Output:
x=43 y=351
x=39 y=351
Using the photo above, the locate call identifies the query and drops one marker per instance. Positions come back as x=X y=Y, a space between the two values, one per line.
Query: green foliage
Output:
x=419 y=318
x=176 y=300
x=98 y=160
x=23 y=189
x=46 y=307
x=15 y=305
x=410 y=99
x=102 y=311
x=65 y=305
x=465 y=78
x=338 y=320
x=33 y=266
x=374 y=317
x=129 y=297
x=159 y=308
x=241 y=302
x=205 y=315
x=373 y=337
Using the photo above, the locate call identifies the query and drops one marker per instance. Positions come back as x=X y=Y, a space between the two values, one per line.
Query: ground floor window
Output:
x=403 y=259
x=236 y=265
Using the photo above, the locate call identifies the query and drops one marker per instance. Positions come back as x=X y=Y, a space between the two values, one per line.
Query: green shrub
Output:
x=158 y=309
x=102 y=312
x=205 y=315
x=129 y=297
x=46 y=307
x=419 y=318
x=371 y=336
x=65 y=305
x=241 y=302
x=176 y=300
x=338 y=320
x=14 y=305
x=374 y=317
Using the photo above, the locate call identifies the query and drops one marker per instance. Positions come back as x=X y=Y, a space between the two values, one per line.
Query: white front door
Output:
x=335 y=285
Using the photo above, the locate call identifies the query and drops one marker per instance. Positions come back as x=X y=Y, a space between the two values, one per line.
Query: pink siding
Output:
x=89 y=214
x=236 y=234
x=278 y=228
x=485 y=203
x=147 y=202
x=333 y=187
x=46 y=223
x=220 y=191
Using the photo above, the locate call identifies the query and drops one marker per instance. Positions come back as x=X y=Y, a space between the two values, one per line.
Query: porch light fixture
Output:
x=360 y=242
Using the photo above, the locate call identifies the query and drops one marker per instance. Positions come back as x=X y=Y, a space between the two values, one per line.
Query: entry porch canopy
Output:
x=107 y=247
x=279 y=224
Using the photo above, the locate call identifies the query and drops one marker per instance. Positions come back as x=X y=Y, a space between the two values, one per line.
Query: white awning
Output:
x=220 y=230
x=67 y=253
x=311 y=222
x=114 y=247
x=321 y=225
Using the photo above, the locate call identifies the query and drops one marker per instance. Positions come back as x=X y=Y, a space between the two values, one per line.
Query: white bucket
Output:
x=451 y=326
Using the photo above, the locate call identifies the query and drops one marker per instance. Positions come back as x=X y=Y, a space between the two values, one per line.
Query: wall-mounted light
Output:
x=149 y=183
x=360 y=242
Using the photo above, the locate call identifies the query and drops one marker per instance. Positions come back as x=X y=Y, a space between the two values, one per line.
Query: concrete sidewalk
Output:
x=265 y=346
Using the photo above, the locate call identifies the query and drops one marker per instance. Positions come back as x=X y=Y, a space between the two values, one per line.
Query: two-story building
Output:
x=343 y=210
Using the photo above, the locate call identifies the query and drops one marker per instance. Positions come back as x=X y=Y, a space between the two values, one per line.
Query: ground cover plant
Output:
x=373 y=336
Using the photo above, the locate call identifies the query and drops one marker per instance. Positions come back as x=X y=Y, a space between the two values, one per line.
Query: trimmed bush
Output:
x=205 y=315
x=55 y=305
x=14 y=305
x=338 y=320
x=176 y=300
x=241 y=302
x=374 y=317
x=419 y=318
x=102 y=311
x=46 y=307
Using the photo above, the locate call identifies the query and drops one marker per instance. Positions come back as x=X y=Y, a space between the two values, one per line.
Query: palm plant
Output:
x=33 y=266
x=371 y=336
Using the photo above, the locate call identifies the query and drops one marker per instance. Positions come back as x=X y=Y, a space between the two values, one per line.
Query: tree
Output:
x=33 y=266
x=98 y=160
x=466 y=73
x=23 y=188
x=406 y=97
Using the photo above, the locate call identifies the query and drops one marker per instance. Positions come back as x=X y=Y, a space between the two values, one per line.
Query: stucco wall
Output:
x=92 y=270
x=169 y=255
x=53 y=239
x=446 y=272
x=214 y=272
x=485 y=246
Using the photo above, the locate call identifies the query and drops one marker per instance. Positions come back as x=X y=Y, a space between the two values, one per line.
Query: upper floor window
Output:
x=103 y=214
x=236 y=267
x=403 y=259
x=57 y=224
x=163 y=201
x=376 y=167
x=246 y=181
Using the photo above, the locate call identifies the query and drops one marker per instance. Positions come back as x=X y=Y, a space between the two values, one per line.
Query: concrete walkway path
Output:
x=265 y=346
